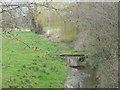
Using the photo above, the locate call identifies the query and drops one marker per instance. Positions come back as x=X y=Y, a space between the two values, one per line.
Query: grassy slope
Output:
x=24 y=67
x=51 y=28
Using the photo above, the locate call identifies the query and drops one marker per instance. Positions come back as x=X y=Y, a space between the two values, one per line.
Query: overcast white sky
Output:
x=61 y=0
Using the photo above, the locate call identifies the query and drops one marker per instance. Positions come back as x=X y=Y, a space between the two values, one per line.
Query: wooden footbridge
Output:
x=73 y=55
x=82 y=57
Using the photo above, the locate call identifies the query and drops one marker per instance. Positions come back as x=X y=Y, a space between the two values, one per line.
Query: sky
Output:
x=60 y=0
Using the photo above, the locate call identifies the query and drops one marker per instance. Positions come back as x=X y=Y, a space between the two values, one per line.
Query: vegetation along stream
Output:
x=66 y=44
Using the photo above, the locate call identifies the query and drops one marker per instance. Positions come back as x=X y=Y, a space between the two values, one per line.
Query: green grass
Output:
x=51 y=28
x=25 y=28
x=24 y=67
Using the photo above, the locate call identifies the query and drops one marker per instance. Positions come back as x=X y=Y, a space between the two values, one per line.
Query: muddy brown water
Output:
x=79 y=76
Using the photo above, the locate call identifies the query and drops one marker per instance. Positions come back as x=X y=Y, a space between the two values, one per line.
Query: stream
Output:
x=79 y=76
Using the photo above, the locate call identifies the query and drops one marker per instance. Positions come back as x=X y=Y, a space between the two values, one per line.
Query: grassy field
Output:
x=25 y=67
x=51 y=28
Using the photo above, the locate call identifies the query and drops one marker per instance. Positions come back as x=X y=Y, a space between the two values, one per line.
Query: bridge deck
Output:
x=71 y=55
